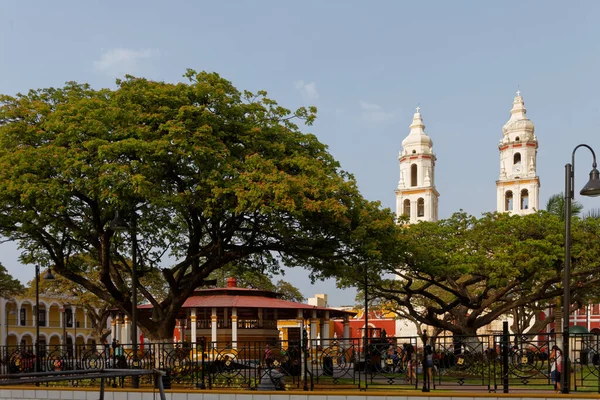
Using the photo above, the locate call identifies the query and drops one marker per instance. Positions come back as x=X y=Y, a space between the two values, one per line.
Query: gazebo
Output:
x=234 y=315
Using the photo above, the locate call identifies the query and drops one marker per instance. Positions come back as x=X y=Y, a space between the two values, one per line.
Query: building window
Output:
x=517 y=159
x=508 y=201
x=524 y=199
x=413 y=175
x=406 y=210
x=69 y=317
x=42 y=316
x=23 y=317
x=420 y=208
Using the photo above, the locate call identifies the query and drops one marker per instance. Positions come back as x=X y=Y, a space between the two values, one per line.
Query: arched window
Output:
x=517 y=139
x=524 y=199
x=413 y=175
x=420 y=208
x=517 y=158
x=406 y=207
x=508 y=201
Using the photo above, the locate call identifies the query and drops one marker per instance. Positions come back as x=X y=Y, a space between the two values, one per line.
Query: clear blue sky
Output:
x=365 y=65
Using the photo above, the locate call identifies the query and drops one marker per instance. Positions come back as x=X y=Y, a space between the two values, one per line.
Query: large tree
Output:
x=462 y=273
x=212 y=176
x=9 y=286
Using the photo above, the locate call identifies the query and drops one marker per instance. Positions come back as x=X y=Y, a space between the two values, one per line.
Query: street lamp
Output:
x=118 y=224
x=47 y=276
x=592 y=189
x=366 y=340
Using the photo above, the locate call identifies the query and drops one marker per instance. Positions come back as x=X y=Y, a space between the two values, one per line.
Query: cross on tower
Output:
x=518 y=92
x=418 y=109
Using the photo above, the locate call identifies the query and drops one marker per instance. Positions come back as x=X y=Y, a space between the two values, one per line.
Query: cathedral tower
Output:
x=518 y=186
x=416 y=196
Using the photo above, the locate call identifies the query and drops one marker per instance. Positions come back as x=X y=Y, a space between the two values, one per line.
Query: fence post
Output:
x=505 y=347
x=305 y=351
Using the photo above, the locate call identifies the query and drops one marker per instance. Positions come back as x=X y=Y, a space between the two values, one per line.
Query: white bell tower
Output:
x=518 y=186
x=416 y=196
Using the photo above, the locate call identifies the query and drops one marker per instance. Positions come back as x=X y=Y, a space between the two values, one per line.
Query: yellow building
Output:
x=60 y=322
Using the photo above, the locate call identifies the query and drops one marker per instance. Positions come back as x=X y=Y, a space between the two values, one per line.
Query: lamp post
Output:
x=366 y=342
x=592 y=189
x=118 y=224
x=47 y=276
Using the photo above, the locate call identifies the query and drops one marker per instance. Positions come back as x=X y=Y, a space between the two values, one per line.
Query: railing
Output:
x=241 y=324
x=494 y=363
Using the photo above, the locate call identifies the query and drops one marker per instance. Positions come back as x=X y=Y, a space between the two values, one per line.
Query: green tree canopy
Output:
x=9 y=286
x=214 y=175
x=462 y=273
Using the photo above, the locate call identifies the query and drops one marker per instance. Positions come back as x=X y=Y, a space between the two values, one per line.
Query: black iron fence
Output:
x=492 y=363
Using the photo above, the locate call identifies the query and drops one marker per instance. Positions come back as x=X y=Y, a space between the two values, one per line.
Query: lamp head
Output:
x=118 y=223
x=592 y=188
x=48 y=276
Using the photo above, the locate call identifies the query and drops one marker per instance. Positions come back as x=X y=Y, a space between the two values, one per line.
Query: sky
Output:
x=365 y=65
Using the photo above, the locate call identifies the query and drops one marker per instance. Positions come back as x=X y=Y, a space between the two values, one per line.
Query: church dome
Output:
x=518 y=121
x=417 y=139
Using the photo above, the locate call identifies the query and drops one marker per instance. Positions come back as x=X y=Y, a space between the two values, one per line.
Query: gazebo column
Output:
x=113 y=328
x=193 y=324
x=225 y=317
x=213 y=318
x=325 y=330
x=127 y=331
x=313 y=327
x=346 y=330
x=260 y=318
x=234 y=328
x=119 y=324
x=313 y=335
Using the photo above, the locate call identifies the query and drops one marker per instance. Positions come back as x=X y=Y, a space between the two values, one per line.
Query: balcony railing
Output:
x=241 y=324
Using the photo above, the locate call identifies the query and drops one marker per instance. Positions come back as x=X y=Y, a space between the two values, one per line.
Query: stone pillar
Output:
x=193 y=325
x=18 y=314
x=234 y=328
x=85 y=318
x=47 y=310
x=213 y=318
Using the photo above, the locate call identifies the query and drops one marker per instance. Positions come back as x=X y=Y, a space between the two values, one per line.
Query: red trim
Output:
x=531 y=145
x=504 y=148
x=517 y=145
x=414 y=157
